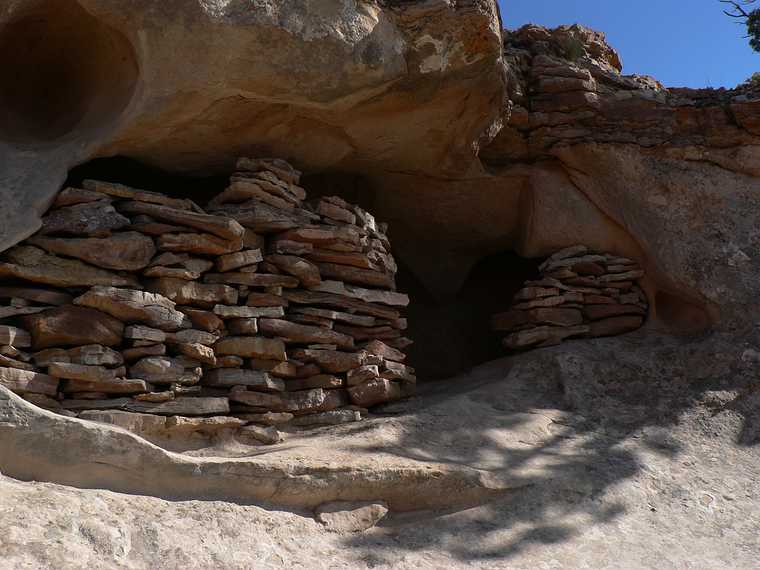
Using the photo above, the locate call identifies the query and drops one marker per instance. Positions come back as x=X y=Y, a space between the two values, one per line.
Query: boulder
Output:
x=112 y=190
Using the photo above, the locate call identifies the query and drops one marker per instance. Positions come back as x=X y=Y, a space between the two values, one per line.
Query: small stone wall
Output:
x=579 y=294
x=262 y=309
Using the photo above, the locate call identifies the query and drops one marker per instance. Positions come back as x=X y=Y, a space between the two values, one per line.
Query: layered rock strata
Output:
x=147 y=311
x=579 y=294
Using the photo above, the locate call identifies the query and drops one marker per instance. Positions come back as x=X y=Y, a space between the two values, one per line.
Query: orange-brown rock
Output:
x=306 y=272
x=356 y=275
x=62 y=326
x=128 y=251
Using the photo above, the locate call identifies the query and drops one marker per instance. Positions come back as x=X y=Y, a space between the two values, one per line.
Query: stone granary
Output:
x=261 y=309
x=580 y=294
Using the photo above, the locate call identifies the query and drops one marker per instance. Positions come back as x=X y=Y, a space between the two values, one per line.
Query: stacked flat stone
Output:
x=133 y=307
x=331 y=276
x=579 y=294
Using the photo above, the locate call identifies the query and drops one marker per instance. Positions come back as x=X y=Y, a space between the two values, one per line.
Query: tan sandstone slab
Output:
x=130 y=305
x=122 y=191
x=349 y=274
x=252 y=347
x=23 y=381
x=106 y=386
x=332 y=361
x=239 y=259
x=32 y=264
x=391 y=298
x=305 y=271
x=294 y=332
x=252 y=379
x=225 y=228
x=200 y=244
x=193 y=293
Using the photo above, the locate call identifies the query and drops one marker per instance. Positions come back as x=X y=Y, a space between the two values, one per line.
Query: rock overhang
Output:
x=347 y=86
x=414 y=97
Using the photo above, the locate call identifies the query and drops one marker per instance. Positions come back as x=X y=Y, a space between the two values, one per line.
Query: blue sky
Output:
x=683 y=43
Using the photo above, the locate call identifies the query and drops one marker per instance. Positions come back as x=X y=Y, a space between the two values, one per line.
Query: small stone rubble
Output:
x=579 y=294
x=135 y=308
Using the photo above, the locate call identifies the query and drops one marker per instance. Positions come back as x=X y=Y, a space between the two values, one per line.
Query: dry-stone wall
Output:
x=262 y=309
x=579 y=294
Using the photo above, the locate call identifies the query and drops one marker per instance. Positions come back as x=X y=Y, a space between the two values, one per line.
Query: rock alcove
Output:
x=452 y=333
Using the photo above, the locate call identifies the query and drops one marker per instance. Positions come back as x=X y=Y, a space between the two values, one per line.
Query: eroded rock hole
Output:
x=63 y=71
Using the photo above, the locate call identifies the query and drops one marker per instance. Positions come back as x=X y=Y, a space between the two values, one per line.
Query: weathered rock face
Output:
x=667 y=176
x=312 y=81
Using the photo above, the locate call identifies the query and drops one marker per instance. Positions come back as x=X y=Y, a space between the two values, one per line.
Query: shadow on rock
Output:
x=565 y=428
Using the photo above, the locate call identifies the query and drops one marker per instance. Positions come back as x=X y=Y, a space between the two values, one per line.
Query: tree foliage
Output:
x=739 y=9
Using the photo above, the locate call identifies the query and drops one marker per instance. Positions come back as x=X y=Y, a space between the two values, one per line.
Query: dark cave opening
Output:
x=453 y=335
x=131 y=172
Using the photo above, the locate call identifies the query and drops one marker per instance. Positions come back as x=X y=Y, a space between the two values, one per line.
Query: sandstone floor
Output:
x=616 y=491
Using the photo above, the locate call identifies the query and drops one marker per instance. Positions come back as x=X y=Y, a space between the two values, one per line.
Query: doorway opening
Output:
x=453 y=335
